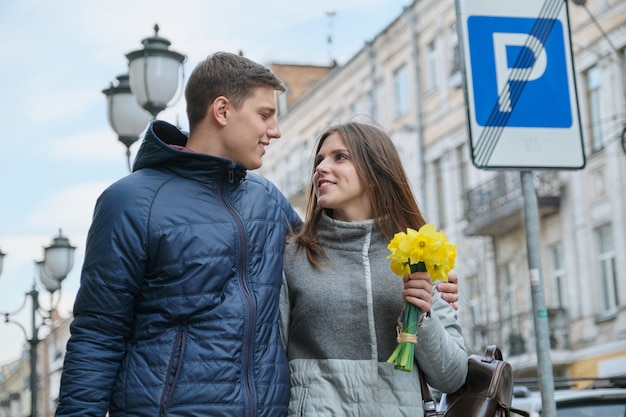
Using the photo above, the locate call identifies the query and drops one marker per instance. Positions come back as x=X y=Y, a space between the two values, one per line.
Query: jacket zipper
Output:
x=243 y=249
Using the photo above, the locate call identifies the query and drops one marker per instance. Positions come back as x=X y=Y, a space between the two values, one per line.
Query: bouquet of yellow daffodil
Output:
x=426 y=250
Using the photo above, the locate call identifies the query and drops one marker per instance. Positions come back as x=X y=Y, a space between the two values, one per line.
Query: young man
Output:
x=177 y=313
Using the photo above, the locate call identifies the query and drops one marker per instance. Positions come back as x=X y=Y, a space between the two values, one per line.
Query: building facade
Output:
x=408 y=79
x=15 y=391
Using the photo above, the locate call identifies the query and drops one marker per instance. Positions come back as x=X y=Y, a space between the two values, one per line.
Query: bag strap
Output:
x=492 y=352
x=430 y=408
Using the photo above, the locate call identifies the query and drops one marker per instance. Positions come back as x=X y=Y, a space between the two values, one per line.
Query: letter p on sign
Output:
x=518 y=68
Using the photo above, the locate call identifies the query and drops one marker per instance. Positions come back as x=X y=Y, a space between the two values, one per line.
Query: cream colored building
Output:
x=408 y=79
x=15 y=395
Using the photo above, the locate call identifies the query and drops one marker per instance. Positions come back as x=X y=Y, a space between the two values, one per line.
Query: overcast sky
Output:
x=57 y=150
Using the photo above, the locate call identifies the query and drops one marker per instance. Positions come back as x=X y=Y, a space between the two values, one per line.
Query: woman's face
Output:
x=336 y=183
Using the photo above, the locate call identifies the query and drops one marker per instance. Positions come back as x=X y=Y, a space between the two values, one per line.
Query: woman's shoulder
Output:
x=293 y=251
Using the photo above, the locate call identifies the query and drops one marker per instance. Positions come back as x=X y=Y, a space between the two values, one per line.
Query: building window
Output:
x=462 y=161
x=506 y=292
x=286 y=186
x=454 y=61
x=431 y=59
x=509 y=325
x=371 y=99
x=440 y=193
x=305 y=166
x=455 y=57
x=401 y=91
x=478 y=312
x=281 y=100
x=557 y=276
x=605 y=253
x=593 y=106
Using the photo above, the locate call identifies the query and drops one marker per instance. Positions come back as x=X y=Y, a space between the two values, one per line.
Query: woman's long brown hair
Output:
x=380 y=169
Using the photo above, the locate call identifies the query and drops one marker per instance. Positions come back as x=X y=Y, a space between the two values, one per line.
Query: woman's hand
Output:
x=418 y=290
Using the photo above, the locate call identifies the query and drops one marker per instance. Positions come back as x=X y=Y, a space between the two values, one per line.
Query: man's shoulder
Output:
x=139 y=185
x=137 y=179
x=267 y=185
x=256 y=178
x=276 y=195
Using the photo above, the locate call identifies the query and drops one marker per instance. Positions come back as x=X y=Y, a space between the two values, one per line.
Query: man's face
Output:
x=250 y=128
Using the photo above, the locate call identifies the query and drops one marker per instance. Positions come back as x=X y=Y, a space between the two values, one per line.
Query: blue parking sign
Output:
x=519 y=72
x=519 y=84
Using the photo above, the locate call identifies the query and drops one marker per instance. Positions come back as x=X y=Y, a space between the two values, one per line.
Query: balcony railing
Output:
x=516 y=334
x=494 y=207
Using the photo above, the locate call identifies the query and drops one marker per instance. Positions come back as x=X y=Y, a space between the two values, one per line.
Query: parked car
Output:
x=589 y=402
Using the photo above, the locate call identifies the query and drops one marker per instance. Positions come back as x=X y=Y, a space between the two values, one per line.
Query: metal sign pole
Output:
x=520 y=92
x=540 y=316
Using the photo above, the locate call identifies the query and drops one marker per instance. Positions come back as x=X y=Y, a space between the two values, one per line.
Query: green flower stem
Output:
x=403 y=356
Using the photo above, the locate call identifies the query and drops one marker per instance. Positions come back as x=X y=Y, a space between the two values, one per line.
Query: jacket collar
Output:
x=156 y=152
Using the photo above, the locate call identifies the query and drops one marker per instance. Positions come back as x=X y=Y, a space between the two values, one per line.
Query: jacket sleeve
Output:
x=294 y=221
x=440 y=350
x=292 y=218
x=111 y=279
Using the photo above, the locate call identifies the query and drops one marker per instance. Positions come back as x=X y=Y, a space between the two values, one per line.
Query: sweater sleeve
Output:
x=285 y=312
x=111 y=278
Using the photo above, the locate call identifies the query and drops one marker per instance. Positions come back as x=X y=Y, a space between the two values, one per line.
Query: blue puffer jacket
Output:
x=177 y=312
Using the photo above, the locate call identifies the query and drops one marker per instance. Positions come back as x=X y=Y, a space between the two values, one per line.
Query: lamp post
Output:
x=53 y=269
x=147 y=89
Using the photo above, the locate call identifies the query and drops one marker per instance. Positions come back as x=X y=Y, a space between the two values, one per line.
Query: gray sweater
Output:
x=339 y=328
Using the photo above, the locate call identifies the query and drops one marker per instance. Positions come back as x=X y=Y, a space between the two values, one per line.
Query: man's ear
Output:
x=219 y=109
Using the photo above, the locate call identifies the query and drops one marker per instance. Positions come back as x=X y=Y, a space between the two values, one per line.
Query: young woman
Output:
x=340 y=302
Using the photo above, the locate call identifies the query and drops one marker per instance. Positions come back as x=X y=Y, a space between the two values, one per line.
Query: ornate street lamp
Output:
x=147 y=89
x=53 y=269
x=126 y=116
x=46 y=279
x=154 y=73
x=58 y=259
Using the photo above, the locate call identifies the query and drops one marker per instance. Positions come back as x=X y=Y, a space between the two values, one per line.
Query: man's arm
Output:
x=103 y=311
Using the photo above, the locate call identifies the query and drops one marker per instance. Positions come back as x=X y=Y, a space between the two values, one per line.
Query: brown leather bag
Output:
x=487 y=392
